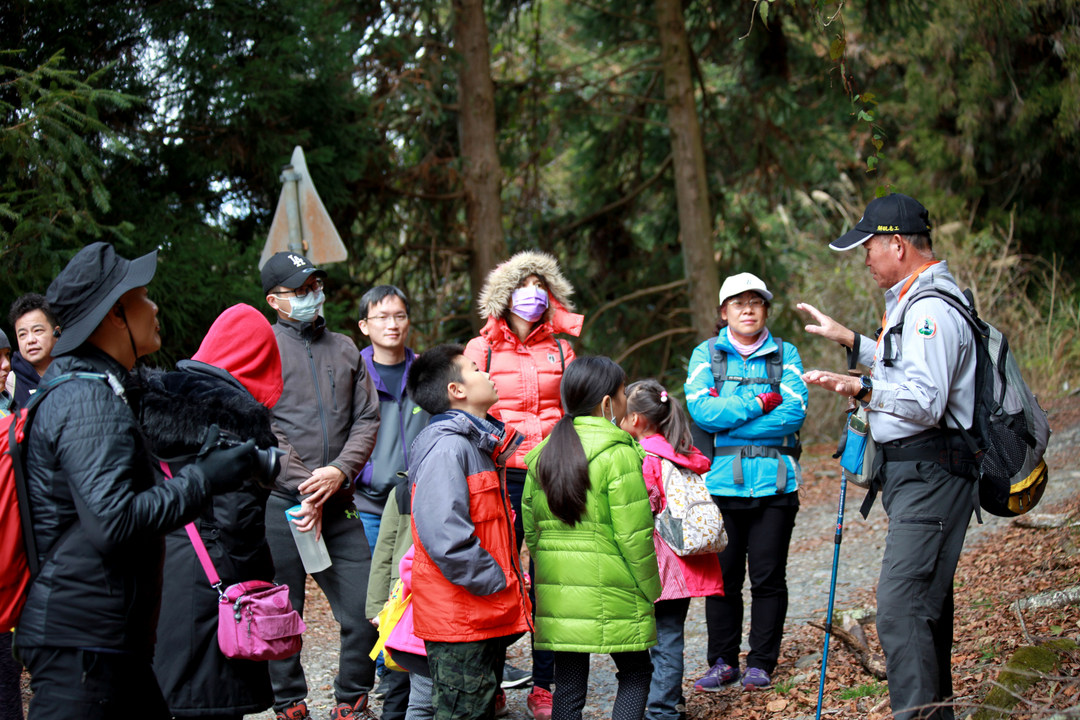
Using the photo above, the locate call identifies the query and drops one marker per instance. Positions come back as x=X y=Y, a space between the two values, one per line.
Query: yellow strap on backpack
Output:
x=389 y=616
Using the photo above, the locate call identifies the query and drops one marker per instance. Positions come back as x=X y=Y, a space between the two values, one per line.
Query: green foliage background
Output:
x=165 y=125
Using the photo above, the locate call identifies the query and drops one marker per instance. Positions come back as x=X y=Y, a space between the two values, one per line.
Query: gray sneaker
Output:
x=515 y=677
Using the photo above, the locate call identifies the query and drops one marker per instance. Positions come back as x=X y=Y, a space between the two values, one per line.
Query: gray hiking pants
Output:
x=929 y=510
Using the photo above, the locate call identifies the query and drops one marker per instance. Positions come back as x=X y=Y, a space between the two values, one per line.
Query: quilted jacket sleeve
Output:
x=789 y=415
x=710 y=412
x=632 y=521
x=97 y=446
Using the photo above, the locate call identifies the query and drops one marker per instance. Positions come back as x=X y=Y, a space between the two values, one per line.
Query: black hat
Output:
x=89 y=286
x=287 y=269
x=894 y=213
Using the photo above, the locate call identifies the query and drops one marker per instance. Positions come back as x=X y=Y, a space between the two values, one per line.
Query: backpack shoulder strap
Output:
x=562 y=353
x=718 y=360
x=14 y=449
x=775 y=364
x=965 y=307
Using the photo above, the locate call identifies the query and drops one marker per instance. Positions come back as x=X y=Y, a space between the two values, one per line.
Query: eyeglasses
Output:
x=303 y=291
x=399 y=318
x=752 y=303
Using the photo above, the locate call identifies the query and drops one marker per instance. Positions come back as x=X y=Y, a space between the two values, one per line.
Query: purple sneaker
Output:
x=755 y=679
x=719 y=675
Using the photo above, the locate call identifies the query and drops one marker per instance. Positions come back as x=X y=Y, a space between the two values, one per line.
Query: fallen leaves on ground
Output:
x=1004 y=567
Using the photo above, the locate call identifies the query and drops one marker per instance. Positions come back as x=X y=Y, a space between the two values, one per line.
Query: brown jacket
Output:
x=328 y=413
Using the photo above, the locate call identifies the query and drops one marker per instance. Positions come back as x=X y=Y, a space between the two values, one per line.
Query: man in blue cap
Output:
x=87 y=631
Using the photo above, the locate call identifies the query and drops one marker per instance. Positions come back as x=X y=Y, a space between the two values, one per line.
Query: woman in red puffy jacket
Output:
x=526 y=301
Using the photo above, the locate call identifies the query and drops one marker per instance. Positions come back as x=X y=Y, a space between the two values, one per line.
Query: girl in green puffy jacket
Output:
x=589 y=529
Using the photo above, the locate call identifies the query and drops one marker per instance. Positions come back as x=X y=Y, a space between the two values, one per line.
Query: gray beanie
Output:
x=4 y=342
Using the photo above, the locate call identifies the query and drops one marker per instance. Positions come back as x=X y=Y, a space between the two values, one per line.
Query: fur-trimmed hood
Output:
x=501 y=282
x=178 y=406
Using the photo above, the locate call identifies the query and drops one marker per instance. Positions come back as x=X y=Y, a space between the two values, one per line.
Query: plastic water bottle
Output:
x=312 y=552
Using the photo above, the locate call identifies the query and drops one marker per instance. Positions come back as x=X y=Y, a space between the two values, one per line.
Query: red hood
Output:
x=242 y=343
x=694 y=462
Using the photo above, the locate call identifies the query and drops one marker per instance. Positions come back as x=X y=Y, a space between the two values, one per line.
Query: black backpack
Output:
x=1009 y=430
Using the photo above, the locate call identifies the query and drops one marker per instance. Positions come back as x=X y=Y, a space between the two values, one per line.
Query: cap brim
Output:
x=850 y=240
x=760 y=291
x=139 y=273
x=298 y=278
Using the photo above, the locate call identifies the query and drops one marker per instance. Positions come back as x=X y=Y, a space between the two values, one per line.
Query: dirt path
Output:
x=809 y=572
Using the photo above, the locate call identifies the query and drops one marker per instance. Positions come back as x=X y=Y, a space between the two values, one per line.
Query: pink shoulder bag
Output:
x=256 y=621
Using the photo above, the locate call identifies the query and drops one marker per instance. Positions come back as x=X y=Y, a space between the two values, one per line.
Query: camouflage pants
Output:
x=465 y=677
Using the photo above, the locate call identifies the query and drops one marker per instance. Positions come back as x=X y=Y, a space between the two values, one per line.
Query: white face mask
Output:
x=611 y=419
x=306 y=309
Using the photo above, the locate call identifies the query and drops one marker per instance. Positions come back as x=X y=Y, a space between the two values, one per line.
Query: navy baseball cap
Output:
x=894 y=213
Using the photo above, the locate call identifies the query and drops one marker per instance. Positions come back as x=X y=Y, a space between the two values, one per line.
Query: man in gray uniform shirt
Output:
x=922 y=384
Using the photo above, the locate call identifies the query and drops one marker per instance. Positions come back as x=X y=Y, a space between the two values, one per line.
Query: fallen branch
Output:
x=873 y=664
x=1050 y=599
x=1044 y=521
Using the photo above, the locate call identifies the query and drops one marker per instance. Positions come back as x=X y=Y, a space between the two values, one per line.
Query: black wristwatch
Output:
x=866 y=389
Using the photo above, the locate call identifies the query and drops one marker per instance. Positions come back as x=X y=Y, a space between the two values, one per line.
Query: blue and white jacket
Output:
x=758 y=441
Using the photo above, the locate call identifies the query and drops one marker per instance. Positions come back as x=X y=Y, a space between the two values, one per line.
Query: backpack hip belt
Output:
x=742 y=452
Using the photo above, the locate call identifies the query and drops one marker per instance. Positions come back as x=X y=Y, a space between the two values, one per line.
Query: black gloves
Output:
x=225 y=463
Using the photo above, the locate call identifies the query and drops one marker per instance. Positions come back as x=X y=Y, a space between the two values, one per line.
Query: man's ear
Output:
x=363 y=327
x=272 y=302
x=116 y=316
x=899 y=246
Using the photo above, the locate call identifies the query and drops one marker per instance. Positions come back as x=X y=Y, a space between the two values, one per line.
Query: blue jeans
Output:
x=371 y=527
x=665 y=690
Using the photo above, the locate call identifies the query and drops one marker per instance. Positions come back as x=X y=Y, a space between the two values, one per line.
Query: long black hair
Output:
x=562 y=468
x=650 y=399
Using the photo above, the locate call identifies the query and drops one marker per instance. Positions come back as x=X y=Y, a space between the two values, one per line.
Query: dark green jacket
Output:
x=596 y=581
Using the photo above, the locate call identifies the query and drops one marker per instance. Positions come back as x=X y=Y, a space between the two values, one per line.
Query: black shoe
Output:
x=514 y=677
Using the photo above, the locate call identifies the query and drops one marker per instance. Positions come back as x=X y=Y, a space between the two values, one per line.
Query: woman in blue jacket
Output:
x=752 y=400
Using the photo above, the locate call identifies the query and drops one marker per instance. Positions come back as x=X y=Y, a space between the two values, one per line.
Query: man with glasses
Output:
x=384 y=319
x=326 y=420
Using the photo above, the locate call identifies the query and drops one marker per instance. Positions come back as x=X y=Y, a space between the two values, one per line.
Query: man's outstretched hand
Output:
x=826 y=327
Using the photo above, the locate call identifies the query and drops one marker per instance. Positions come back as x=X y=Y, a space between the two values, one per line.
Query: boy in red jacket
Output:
x=469 y=593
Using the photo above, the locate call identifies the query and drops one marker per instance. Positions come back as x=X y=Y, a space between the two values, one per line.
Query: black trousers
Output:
x=758 y=537
x=543 y=660
x=10 y=679
x=634 y=673
x=74 y=683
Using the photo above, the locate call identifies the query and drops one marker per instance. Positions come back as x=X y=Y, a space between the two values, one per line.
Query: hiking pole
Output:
x=852 y=357
x=832 y=589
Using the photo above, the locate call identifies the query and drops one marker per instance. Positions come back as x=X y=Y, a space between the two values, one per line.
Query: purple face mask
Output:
x=529 y=303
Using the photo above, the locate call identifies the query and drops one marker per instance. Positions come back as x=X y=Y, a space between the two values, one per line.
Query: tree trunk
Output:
x=691 y=186
x=476 y=131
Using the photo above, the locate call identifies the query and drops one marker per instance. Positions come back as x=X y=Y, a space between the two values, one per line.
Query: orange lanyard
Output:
x=903 y=292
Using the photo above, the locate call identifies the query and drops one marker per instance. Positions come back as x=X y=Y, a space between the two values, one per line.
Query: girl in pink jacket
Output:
x=661 y=426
